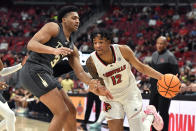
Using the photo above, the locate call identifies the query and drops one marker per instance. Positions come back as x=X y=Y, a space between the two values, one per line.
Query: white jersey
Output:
x=118 y=78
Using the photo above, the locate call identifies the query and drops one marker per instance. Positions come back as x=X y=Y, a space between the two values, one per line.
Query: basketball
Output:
x=169 y=86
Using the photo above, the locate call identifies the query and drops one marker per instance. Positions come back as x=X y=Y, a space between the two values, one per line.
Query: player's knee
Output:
x=62 y=115
x=64 y=112
x=61 y=112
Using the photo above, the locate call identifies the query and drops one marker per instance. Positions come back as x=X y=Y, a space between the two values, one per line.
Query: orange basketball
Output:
x=169 y=86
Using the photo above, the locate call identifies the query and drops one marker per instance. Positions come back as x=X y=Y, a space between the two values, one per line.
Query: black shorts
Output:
x=36 y=79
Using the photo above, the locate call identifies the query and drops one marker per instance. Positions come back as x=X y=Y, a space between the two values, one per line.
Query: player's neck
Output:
x=108 y=57
x=66 y=32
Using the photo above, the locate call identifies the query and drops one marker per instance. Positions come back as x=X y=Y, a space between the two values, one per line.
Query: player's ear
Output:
x=63 y=19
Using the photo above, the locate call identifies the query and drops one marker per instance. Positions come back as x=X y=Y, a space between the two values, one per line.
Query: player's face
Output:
x=160 y=45
x=71 y=21
x=101 y=45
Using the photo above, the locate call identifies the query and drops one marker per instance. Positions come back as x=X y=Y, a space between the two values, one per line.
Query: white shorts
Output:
x=117 y=110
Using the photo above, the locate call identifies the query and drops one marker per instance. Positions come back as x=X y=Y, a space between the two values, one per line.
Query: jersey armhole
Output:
x=118 y=51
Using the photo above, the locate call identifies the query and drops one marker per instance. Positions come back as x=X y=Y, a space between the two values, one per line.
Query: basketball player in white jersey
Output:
x=8 y=122
x=112 y=64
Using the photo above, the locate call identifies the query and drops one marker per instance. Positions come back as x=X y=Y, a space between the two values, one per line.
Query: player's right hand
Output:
x=103 y=91
x=62 y=51
x=3 y=85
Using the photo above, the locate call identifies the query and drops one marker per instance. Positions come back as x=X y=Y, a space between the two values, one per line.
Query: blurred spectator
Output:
x=20 y=97
x=4 y=45
x=67 y=83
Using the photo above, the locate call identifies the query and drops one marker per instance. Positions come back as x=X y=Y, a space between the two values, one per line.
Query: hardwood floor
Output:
x=26 y=124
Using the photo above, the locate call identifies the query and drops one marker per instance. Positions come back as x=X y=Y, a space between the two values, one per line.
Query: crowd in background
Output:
x=136 y=26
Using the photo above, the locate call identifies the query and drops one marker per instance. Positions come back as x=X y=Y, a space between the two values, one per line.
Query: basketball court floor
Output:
x=26 y=124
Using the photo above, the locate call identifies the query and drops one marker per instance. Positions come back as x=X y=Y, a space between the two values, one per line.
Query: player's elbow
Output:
x=29 y=45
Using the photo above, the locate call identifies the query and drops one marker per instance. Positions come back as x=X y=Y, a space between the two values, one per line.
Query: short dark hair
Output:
x=64 y=10
x=103 y=33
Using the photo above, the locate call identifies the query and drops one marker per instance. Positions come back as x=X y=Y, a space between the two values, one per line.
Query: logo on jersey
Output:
x=119 y=59
x=107 y=106
x=162 y=60
x=43 y=81
x=57 y=57
x=117 y=70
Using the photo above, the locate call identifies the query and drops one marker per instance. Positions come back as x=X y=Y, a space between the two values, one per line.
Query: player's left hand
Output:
x=3 y=85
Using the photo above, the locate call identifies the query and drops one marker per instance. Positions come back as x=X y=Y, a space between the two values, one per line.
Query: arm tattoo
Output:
x=92 y=70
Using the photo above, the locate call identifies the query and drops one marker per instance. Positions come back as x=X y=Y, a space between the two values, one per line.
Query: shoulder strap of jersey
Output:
x=117 y=50
x=94 y=57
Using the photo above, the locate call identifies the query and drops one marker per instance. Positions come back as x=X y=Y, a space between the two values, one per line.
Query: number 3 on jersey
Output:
x=116 y=79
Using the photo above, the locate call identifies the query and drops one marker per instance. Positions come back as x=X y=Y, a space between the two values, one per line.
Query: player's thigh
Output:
x=114 y=114
x=37 y=80
x=54 y=101
x=113 y=110
x=136 y=122
x=132 y=107
x=116 y=125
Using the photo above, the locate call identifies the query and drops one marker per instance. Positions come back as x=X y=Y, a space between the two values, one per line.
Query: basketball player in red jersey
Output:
x=111 y=64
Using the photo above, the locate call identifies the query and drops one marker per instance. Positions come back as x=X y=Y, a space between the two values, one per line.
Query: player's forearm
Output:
x=84 y=77
x=36 y=46
x=10 y=70
x=147 y=70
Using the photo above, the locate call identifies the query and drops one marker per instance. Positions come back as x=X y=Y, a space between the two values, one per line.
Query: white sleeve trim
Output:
x=10 y=70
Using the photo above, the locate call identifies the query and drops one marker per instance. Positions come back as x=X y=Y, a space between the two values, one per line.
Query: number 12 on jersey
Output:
x=116 y=79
